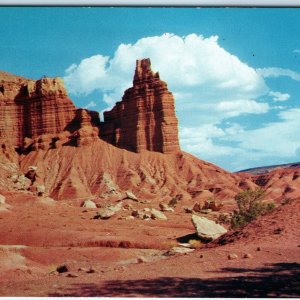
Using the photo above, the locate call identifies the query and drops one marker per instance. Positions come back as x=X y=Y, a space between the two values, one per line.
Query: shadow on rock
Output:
x=277 y=280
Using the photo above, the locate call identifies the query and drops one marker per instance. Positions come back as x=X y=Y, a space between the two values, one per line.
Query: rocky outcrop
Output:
x=30 y=108
x=145 y=118
x=38 y=114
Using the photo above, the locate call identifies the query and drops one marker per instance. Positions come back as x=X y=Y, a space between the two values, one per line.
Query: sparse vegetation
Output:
x=286 y=201
x=250 y=206
x=195 y=243
x=224 y=219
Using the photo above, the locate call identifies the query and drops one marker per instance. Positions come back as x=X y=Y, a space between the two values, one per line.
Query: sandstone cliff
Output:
x=71 y=161
x=145 y=118
x=30 y=108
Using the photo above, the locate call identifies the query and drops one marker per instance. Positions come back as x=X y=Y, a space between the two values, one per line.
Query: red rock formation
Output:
x=145 y=118
x=31 y=108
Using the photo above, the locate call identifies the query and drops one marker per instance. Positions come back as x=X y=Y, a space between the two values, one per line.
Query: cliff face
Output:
x=145 y=118
x=31 y=108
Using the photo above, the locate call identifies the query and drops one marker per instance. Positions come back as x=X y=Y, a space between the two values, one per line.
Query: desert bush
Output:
x=224 y=219
x=195 y=243
x=250 y=206
x=286 y=201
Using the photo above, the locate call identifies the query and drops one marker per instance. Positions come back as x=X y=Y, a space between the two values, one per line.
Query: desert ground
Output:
x=136 y=258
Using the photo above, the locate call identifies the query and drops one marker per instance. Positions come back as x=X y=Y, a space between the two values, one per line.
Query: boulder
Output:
x=40 y=189
x=232 y=256
x=137 y=213
x=104 y=213
x=156 y=214
x=108 y=211
x=165 y=207
x=89 y=204
x=131 y=195
x=181 y=250
x=207 y=230
x=197 y=207
x=214 y=205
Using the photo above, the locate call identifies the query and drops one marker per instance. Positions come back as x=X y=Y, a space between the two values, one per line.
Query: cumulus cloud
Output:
x=241 y=148
x=279 y=138
x=211 y=86
x=296 y=51
x=277 y=72
x=277 y=96
x=197 y=69
x=238 y=107
x=82 y=79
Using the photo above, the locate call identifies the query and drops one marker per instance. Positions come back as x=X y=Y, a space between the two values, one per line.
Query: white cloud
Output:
x=238 y=148
x=238 y=107
x=84 y=78
x=280 y=138
x=296 y=51
x=200 y=140
x=210 y=86
x=277 y=96
x=198 y=71
x=91 y=104
x=277 y=72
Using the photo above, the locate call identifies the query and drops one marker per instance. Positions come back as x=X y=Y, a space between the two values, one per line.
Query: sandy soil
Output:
x=132 y=258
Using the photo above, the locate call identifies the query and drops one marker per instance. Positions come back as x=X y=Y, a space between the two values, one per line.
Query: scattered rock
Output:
x=40 y=189
x=197 y=207
x=141 y=259
x=181 y=250
x=62 y=269
x=136 y=213
x=21 y=182
x=201 y=256
x=206 y=211
x=186 y=245
x=91 y=270
x=188 y=210
x=72 y=275
x=127 y=206
x=129 y=218
x=104 y=213
x=214 y=205
x=247 y=255
x=277 y=231
x=32 y=168
x=165 y=207
x=131 y=195
x=83 y=269
x=232 y=256
x=89 y=204
x=206 y=229
x=108 y=211
x=258 y=249
x=156 y=214
x=146 y=217
x=2 y=199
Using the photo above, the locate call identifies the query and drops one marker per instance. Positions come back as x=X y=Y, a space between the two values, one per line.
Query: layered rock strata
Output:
x=30 y=108
x=145 y=118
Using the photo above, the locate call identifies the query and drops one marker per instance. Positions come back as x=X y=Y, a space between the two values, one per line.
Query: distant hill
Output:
x=267 y=169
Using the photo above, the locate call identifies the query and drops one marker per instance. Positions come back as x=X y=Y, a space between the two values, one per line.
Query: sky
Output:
x=234 y=72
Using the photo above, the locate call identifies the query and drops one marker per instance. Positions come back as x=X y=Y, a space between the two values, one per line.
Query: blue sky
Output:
x=235 y=73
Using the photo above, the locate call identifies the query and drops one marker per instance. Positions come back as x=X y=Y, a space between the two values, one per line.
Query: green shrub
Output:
x=250 y=206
